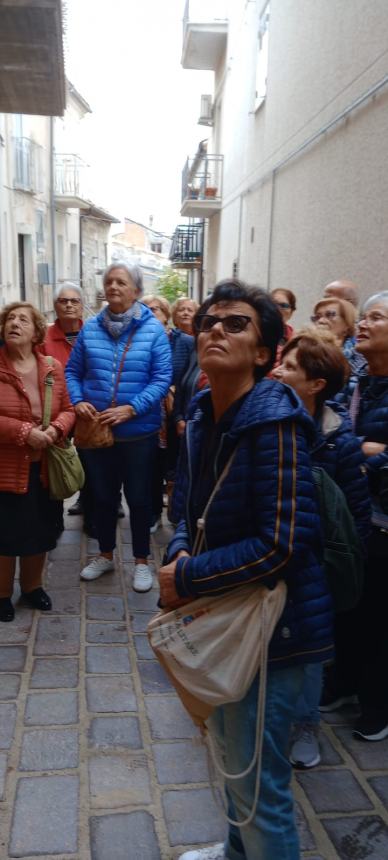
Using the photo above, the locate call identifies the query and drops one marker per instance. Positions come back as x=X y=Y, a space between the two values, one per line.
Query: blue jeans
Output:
x=130 y=464
x=307 y=706
x=272 y=833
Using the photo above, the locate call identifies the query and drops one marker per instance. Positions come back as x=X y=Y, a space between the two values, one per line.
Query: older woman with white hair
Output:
x=120 y=369
x=62 y=334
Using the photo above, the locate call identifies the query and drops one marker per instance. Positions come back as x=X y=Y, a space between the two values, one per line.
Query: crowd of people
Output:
x=232 y=408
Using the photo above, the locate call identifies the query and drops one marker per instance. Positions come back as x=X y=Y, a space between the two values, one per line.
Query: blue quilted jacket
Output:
x=262 y=524
x=146 y=375
x=182 y=346
x=372 y=418
x=337 y=450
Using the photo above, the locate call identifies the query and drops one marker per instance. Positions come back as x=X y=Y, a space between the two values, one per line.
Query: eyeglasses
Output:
x=285 y=306
x=233 y=324
x=328 y=315
x=69 y=301
x=372 y=317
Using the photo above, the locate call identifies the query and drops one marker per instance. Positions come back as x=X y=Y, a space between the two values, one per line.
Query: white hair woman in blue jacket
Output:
x=120 y=367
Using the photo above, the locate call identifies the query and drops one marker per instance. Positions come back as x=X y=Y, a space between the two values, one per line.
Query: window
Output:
x=157 y=247
x=262 y=58
x=73 y=261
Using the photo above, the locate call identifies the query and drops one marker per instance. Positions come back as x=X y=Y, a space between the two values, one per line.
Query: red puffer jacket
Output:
x=16 y=420
x=55 y=343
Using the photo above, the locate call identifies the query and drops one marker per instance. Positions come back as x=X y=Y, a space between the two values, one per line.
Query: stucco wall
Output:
x=327 y=212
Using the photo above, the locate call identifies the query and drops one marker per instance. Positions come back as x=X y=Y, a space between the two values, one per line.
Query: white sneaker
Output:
x=142 y=578
x=97 y=566
x=215 y=852
x=305 y=748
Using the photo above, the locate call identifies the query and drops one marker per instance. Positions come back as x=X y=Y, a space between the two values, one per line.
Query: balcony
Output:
x=27 y=165
x=202 y=185
x=71 y=190
x=32 y=75
x=205 y=32
x=186 y=248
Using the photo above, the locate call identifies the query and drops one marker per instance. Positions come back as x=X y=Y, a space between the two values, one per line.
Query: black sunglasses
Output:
x=232 y=324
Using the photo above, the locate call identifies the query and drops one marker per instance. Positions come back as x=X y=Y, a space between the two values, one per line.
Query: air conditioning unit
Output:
x=206 y=112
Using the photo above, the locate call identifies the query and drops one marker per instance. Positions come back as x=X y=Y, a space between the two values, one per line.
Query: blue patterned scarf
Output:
x=116 y=324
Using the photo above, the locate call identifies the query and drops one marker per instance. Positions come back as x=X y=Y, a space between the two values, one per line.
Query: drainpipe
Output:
x=52 y=203
x=81 y=273
x=270 y=233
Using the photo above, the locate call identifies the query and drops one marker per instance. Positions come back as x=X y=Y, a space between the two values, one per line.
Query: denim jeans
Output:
x=130 y=464
x=272 y=834
x=307 y=706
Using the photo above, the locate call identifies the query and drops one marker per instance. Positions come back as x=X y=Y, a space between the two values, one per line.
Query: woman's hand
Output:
x=169 y=597
x=180 y=427
x=372 y=448
x=52 y=434
x=85 y=410
x=117 y=415
x=37 y=439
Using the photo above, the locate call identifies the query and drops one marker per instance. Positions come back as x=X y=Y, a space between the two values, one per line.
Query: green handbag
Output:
x=65 y=473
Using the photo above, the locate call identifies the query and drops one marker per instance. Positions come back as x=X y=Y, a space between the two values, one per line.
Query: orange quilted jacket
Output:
x=16 y=420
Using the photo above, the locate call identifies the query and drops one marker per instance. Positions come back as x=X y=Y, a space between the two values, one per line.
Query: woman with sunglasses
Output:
x=261 y=526
x=339 y=317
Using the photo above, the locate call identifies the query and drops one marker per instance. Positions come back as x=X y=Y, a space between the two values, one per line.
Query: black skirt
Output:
x=28 y=521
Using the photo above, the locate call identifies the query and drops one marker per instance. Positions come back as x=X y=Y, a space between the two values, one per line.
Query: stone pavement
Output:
x=98 y=760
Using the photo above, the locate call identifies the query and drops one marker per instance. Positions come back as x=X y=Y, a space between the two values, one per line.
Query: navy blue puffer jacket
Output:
x=337 y=450
x=262 y=524
x=372 y=418
x=146 y=375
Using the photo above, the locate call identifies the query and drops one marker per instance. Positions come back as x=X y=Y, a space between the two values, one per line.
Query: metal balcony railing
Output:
x=27 y=165
x=71 y=177
x=202 y=177
x=205 y=32
x=205 y=12
x=187 y=244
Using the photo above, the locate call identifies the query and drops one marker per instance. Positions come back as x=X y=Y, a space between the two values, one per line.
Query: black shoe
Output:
x=37 y=599
x=7 y=612
x=331 y=701
x=120 y=512
x=77 y=509
x=371 y=727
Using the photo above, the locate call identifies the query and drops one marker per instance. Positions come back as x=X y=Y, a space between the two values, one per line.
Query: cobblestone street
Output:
x=97 y=759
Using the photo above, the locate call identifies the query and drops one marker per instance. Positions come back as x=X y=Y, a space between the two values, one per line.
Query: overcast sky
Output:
x=123 y=56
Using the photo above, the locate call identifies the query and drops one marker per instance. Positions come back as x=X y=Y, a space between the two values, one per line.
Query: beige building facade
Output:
x=297 y=132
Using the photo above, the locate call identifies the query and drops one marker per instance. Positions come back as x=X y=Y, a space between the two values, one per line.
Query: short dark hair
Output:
x=321 y=358
x=270 y=320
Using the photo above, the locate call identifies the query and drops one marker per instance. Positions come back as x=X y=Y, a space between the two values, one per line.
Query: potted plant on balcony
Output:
x=211 y=191
x=192 y=192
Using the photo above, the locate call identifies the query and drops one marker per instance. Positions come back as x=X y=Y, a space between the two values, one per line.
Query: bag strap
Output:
x=119 y=372
x=201 y=522
x=48 y=395
x=257 y=754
